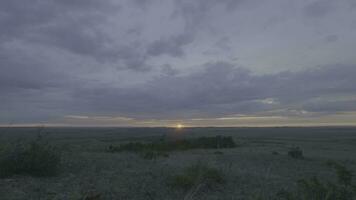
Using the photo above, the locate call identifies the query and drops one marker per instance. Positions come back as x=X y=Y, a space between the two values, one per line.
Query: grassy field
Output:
x=257 y=168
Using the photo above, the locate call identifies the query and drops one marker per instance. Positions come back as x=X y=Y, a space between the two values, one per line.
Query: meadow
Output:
x=187 y=163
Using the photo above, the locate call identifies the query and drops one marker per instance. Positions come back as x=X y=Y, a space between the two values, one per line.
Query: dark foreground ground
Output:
x=258 y=168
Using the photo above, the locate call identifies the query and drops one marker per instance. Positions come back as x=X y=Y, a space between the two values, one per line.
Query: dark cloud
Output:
x=219 y=89
x=172 y=46
x=20 y=18
x=222 y=89
x=72 y=26
x=319 y=8
x=330 y=106
x=143 y=59
x=197 y=12
x=79 y=28
x=22 y=71
x=331 y=38
x=167 y=69
x=352 y=4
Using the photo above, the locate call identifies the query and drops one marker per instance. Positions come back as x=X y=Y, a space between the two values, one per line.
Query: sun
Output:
x=179 y=126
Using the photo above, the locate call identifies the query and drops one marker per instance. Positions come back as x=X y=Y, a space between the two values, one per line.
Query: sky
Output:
x=168 y=62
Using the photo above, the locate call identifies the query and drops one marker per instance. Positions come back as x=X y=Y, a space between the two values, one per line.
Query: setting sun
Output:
x=179 y=126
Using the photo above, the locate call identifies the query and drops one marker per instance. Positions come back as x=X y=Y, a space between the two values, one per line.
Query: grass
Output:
x=314 y=189
x=35 y=158
x=197 y=175
x=86 y=171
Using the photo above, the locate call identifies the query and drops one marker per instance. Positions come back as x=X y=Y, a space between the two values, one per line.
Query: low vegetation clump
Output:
x=153 y=155
x=92 y=196
x=296 y=153
x=218 y=153
x=216 y=142
x=314 y=188
x=35 y=158
x=197 y=175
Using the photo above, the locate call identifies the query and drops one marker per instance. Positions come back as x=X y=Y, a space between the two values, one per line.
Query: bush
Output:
x=216 y=142
x=36 y=158
x=153 y=155
x=296 y=153
x=197 y=174
x=218 y=153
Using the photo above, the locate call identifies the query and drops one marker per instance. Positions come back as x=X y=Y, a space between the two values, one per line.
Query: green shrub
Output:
x=197 y=174
x=295 y=152
x=36 y=158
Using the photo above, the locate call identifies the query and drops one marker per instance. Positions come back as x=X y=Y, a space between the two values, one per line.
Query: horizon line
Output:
x=173 y=127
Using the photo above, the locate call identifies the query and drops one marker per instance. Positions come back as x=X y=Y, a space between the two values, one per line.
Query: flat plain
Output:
x=257 y=168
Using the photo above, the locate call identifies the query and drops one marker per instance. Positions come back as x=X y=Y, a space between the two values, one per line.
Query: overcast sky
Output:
x=163 y=62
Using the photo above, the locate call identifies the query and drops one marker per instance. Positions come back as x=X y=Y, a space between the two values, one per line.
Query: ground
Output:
x=258 y=167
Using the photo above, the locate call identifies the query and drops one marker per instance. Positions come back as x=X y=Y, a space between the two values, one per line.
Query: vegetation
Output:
x=153 y=155
x=258 y=169
x=197 y=175
x=36 y=158
x=216 y=142
x=218 y=153
x=92 y=196
x=315 y=189
x=296 y=152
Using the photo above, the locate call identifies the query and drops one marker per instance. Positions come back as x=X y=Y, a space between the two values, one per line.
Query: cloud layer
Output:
x=137 y=62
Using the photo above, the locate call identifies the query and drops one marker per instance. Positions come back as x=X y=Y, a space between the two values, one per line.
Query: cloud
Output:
x=195 y=11
x=331 y=38
x=171 y=46
x=330 y=105
x=223 y=89
x=175 y=59
x=219 y=89
x=29 y=18
x=76 y=27
x=83 y=29
x=319 y=8
x=23 y=71
x=169 y=70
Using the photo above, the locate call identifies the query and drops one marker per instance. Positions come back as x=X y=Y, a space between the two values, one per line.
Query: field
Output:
x=259 y=167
